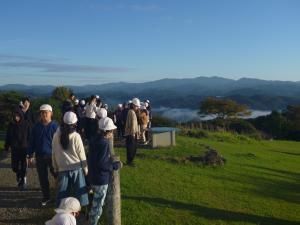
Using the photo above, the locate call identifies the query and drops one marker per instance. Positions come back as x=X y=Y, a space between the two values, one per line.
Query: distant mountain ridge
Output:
x=188 y=92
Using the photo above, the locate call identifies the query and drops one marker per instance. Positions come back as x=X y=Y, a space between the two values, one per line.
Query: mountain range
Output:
x=184 y=93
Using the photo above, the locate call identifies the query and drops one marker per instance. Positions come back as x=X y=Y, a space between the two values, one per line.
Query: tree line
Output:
x=284 y=124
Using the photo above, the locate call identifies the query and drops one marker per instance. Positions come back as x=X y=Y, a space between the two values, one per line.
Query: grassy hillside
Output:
x=259 y=184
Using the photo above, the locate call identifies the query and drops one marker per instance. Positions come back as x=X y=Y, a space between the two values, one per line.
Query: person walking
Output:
x=69 y=161
x=40 y=147
x=17 y=139
x=131 y=131
x=100 y=167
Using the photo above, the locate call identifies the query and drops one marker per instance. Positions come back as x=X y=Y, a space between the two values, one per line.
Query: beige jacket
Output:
x=70 y=159
x=131 y=127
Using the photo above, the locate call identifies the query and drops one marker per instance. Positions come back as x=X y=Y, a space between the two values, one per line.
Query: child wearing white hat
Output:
x=67 y=212
x=69 y=160
x=100 y=166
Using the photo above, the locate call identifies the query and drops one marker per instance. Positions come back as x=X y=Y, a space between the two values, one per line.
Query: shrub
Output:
x=160 y=121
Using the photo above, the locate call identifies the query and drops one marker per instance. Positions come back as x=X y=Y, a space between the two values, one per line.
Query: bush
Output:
x=8 y=102
x=196 y=133
x=160 y=121
x=241 y=126
x=231 y=137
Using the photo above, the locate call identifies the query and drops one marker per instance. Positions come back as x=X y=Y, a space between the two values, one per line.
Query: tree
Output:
x=223 y=108
x=61 y=93
x=8 y=102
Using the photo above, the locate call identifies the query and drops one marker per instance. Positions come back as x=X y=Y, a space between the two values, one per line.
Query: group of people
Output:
x=59 y=148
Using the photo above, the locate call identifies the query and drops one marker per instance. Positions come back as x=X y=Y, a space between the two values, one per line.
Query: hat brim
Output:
x=111 y=128
x=58 y=210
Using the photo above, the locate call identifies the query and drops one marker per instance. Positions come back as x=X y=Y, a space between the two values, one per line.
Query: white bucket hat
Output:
x=106 y=124
x=136 y=102
x=82 y=102
x=101 y=112
x=76 y=101
x=46 y=107
x=70 y=118
x=68 y=205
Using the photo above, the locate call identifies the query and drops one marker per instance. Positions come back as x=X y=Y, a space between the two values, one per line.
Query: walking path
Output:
x=21 y=207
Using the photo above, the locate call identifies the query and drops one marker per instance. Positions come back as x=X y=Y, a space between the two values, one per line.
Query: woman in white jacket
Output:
x=69 y=161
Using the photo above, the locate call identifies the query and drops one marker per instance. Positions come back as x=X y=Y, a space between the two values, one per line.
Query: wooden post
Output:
x=111 y=146
x=114 y=197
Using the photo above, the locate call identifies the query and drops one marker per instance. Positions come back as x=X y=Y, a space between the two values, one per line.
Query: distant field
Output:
x=259 y=184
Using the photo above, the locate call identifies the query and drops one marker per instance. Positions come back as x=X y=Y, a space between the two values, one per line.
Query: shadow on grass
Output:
x=288 y=153
x=212 y=213
x=268 y=182
x=278 y=171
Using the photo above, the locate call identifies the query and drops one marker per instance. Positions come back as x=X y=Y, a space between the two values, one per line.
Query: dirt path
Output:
x=18 y=207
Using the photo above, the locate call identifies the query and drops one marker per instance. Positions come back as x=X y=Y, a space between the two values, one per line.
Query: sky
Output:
x=77 y=42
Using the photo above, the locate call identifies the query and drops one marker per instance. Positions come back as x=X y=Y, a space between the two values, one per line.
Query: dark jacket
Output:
x=17 y=135
x=41 y=139
x=100 y=164
x=66 y=107
x=124 y=116
x=118 y=117
x=29 y=117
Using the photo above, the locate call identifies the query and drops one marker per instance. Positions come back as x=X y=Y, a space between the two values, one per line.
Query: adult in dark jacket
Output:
x=41 y=146
x=28 y=114
x=68 y=104
x=100 y=166
x=17 y=138
x=118 y=120
x=125 y=110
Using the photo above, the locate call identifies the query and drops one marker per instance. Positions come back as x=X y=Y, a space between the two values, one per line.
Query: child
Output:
x=69 y=160
x=41 y=146
x=67 y=212
x=100 y=166
x=17 y=138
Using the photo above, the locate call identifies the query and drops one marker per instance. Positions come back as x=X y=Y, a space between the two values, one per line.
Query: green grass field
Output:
x=262 y=187
x=260 y=184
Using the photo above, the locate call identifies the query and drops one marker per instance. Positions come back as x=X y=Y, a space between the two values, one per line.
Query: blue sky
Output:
x=99 y=41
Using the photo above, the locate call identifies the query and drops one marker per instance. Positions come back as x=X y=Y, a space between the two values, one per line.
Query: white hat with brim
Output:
x=82 y=102
x=68 y=205
x=70 y=118
x=136 y=102
x=101 y=112
x=106 y=124
x=46 y=107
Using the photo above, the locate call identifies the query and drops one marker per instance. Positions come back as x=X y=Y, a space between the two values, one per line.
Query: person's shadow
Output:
x=212 y=213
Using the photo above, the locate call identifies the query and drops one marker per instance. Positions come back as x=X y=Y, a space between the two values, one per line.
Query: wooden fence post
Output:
x=114 y=197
